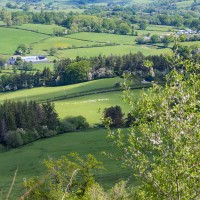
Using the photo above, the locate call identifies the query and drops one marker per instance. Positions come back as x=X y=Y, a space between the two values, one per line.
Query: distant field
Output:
x=120 y=39
x=191 y=43
x=40 y=28
x=104 y=37
x=160 y=28
x=43 y=93
x=114 y=50
x=150 y=31
x=80 y=42
x=11 y=38
x=84 y=105
x=29 y=159
x=61 y=42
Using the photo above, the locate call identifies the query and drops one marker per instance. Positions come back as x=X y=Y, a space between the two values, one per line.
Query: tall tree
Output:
x=77 y=72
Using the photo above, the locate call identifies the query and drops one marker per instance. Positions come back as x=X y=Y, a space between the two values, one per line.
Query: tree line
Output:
x=24 y=122
x=68 y=71
x=117 y=20
x=27 y=121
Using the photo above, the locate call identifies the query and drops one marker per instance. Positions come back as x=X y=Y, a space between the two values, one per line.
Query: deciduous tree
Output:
x=163 y=150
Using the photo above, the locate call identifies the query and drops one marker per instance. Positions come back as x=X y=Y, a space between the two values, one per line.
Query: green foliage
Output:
x=123 y=29
x=21 y=49
x=7 y=17
x=70 y=124
x=119 y=191
x=114 y=115
x=66 y=178
x=29 y=158
x=140 y=40
x=163 y=150
x=154 y=39
x=166 y=40
x=143 y=24
x=24 y=122
x=72 y=178
x=67 y=126
x=77 y=72
x=13 y=139
x=53 y=51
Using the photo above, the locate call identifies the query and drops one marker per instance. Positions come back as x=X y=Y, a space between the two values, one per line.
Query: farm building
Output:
x=33 y=59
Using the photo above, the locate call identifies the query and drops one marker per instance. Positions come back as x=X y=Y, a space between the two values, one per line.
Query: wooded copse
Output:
x=25 y=122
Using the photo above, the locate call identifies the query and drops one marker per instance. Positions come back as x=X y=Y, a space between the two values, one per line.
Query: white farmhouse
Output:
x=33 y=59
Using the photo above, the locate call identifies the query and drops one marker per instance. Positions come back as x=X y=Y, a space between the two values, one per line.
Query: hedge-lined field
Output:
x=103 y=37
x=10 y=39
x=44 y=93
x=82 y=44
x=40 y=28
x=112 y=50
x=60 y=43
x=89 y=106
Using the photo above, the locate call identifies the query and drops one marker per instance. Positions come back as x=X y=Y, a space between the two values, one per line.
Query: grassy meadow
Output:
x=11 y=38
x=112 y=50
x=191 y=43
x=29 y=159
x=85 y=98
x=60 y=43
x=44 y=93
x=120 y=39
x=40 y=28
x=88 y=106
x=103 y=37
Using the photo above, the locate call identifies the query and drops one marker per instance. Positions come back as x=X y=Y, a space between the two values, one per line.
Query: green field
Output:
x=40 y=28
x=85 y=99
x=120 y=39
x=79 y=44
x=189 y=44
x=44 y=93
x=192 y=43
x=88 y=106
x=112 y=50
x=60 y=43
x=11 y=38
x=104 y=37
x=160 y=28
x=29 y=159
